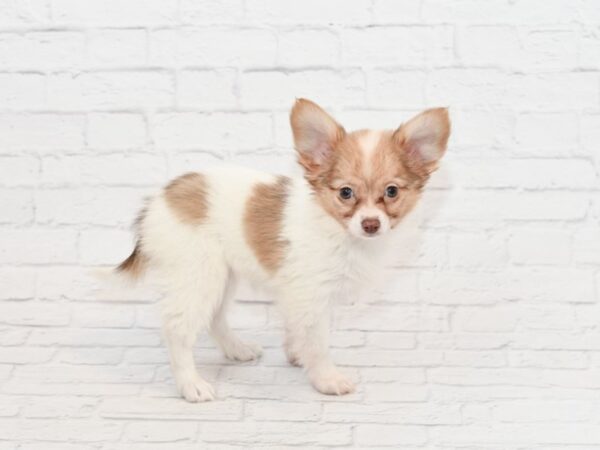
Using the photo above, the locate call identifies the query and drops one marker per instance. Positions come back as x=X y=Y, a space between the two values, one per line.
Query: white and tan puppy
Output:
x=309 y=240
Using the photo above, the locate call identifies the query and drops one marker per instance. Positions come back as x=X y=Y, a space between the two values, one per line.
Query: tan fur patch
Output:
x=368 y=174
x=135 y=264
x=263 y=221
x=187 y=197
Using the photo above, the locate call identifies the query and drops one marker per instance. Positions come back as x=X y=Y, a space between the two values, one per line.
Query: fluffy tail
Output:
x=135 y=264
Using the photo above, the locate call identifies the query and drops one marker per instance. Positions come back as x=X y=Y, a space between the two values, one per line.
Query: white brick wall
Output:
x=487 y=334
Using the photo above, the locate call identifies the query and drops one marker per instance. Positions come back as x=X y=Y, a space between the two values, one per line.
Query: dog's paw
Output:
x=332 y=382
x=241 y=351
x=292 y=357
x=195 y=390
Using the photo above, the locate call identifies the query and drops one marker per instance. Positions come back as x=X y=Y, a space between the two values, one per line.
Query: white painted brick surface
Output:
x=485 y=335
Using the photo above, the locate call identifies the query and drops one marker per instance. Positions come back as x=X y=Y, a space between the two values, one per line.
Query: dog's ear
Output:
x=423 y=139
x=315 y=134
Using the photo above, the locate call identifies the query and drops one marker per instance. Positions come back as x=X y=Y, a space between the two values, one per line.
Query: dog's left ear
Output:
x=423 y=140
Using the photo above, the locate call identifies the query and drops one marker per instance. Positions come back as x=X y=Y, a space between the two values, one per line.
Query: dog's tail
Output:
x=134 y=265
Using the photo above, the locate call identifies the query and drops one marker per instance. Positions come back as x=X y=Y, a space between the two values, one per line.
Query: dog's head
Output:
x=368 y=180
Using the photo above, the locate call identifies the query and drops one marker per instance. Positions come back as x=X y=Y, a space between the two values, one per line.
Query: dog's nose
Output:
x=370 y=225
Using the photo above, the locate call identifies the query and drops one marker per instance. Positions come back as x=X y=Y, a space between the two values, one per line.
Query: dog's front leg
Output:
x=307 y=345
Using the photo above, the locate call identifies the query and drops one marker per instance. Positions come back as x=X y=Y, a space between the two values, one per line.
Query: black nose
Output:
x=371 y=225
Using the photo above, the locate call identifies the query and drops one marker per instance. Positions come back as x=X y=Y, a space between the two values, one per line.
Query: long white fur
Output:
x=201 y=263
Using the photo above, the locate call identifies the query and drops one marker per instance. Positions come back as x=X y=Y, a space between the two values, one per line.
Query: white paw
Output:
x=292 y=357
x=195 y=390
x=332 y=382
x=240 y=351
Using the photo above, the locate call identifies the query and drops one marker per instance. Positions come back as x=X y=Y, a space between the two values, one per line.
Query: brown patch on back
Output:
x=263 y=221
x=187 y=197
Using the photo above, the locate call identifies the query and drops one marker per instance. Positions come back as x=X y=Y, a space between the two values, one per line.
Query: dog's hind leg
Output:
x=195 y=290
x=228 y=342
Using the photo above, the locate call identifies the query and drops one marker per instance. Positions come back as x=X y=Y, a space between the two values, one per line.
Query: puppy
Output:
x=309 y=240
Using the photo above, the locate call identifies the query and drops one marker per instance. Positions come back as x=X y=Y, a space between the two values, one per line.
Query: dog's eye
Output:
x=391 y=191
x=346 y=193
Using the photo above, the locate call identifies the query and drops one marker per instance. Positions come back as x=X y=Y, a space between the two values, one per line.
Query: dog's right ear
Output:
x=315 y=134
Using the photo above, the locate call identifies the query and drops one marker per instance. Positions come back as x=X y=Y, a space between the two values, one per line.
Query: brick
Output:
x=75 y=337
x=388 y=435
x=13 y=336
x=55 y=373
x=546 y=131
x=494 y=206
x=387 y=358
x=218 y=131
x=98 y=356
x=152 y=431
x=590 y=45
x=391 y=340
x=302 y=48
x=60 y=431
x=541 y=92
x=477 y=250
x=272 y=89
x=42 y=50
x=406 y=318
x=396 y=46
x=498 y=11
x=414 y=414
x=82 y=284
x=590 y=132
x=38 y=246
x=528 y=173
x=21 y=170
x=114 y=48
x=474 y=359
x=212 y=47
x=96 y=206
x=527 y=411
x=22 y=91
x=586 y=245
x=27 y=355
x=115 y=169
x=103 y=315
x=275 y=434
x=16 y=206
x=60 y=407
x=17 y=283
x=211 y=12
x=43 y=132
x=460 y=287
x=530 y=246
x=116 y=131
x=156 y=408
x=207 y=89
x=388 y=89
x=113 y=13
x=480 y=319
x=548 y=359
x=486 y=128
x=34 y=313
x=309 y=12
x=289 y=411
x=111 y=90
x=532 y=49
x=390 y=11
x=36 y=12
